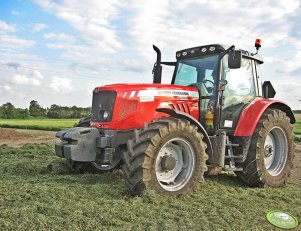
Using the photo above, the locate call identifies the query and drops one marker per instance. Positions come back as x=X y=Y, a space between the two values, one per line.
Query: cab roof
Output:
x=210 y=50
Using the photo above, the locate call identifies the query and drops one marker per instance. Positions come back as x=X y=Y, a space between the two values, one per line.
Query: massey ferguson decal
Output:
x=148 y=95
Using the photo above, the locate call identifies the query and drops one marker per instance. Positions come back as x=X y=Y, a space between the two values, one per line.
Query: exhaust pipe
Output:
x=157 y=70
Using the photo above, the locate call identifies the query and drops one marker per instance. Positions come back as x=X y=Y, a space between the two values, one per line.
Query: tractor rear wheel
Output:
x=271 y=153
x=168 y=156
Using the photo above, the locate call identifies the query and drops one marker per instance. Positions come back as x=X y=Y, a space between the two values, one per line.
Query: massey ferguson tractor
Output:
x=216 y=115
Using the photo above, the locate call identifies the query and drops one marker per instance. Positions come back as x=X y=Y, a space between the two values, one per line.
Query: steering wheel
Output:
x=194 y=85
x=207 y=80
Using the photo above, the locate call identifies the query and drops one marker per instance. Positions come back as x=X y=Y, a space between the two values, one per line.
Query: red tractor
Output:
x=215 y=115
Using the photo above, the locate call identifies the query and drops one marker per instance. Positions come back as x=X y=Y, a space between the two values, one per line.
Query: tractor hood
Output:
x=132 y=90
x=138 y=87
x=129 y=106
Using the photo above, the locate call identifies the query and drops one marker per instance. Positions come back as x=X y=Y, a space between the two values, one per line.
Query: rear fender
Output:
x=182 y=115
x=252 y=113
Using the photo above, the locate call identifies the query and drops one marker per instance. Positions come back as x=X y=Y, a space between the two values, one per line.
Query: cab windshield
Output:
x=196 y=70
x=201 y=72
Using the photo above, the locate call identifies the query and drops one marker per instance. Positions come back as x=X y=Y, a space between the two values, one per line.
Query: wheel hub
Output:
x=168 y=163
x=275 y=151
x=175 y=164
x=268 y=150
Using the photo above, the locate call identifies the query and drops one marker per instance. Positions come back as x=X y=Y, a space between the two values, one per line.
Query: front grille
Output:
x=103 y=104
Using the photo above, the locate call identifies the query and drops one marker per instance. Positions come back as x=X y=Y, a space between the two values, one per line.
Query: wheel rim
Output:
x=175 y=164
x=275 y=151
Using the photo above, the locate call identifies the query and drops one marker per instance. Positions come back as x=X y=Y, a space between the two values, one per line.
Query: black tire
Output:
x=145 y=151
x=271 y=153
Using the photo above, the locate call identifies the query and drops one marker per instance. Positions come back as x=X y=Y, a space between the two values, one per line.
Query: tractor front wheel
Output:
x=270 y=158
x=168 y=156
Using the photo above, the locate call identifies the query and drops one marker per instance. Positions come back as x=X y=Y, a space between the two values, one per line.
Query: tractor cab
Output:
x=227 y=80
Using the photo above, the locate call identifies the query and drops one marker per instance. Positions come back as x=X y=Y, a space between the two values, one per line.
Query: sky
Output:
x=57 y=52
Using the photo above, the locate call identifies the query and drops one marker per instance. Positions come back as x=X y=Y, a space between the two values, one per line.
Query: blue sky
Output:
x=56 y=52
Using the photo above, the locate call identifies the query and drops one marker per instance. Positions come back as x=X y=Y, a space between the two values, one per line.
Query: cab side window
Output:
x=239 y=90
x=240 y=87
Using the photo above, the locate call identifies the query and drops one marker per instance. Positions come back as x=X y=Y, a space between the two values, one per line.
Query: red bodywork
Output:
x=252 y=113
x=136 y=104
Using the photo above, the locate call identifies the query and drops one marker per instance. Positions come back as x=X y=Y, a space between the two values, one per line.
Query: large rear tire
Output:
x=168 y=156
x=271 y=153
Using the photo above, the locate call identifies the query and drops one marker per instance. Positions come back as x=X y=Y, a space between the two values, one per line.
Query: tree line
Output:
x=9 y=111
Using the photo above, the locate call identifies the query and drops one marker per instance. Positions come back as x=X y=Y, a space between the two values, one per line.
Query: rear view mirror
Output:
x=268 y=90
x=234 y=59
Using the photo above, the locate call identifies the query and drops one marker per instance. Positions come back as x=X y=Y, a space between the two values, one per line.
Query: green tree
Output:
x=9 y=111
x=23 y=113
x=35 y=109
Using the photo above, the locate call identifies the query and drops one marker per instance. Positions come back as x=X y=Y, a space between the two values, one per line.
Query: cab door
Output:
x=241 y=89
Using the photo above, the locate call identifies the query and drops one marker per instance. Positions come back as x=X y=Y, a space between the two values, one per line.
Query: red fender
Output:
x=252 y=113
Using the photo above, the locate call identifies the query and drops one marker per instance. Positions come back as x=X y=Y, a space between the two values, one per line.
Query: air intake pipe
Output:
x=157 y=70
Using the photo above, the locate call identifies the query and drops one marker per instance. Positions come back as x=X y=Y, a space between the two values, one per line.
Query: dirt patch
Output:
x=296 y=172
x=19 y=137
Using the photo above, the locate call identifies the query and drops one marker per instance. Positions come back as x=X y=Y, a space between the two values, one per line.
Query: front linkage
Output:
x=102 y=148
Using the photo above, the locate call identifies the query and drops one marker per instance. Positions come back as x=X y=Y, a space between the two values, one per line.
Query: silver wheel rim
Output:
x=275 y=151
x=184 y=156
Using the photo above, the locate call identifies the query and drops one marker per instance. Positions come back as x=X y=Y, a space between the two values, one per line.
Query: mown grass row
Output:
x=297 y=125
x=297 y=128
x=37 y=193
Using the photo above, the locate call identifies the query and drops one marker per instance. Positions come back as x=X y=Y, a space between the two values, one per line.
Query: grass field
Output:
x=59 y=124
x=37 y=193
x=38 y=124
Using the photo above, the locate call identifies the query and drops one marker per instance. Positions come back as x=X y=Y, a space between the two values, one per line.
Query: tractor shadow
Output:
x=226 y=179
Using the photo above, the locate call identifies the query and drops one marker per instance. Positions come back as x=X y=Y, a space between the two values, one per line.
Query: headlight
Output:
x=103 y=115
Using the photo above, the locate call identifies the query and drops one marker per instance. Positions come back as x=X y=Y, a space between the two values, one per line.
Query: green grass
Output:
x=38 y=124
x=297 y=125
x=37 y=193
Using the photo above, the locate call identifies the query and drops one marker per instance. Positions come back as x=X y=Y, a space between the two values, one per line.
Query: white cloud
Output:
x=189 y=23
x=60 y=37
x=90 y=87
x=288 y=90
x=24 y=80
x=6 y=27
x=132 y=65
x=36 y=27
x=34 y=79
x=6 y=88
x=37 y=75
x=11 y=41
x=60 y=85
x=90 y=18
x=8 y=94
